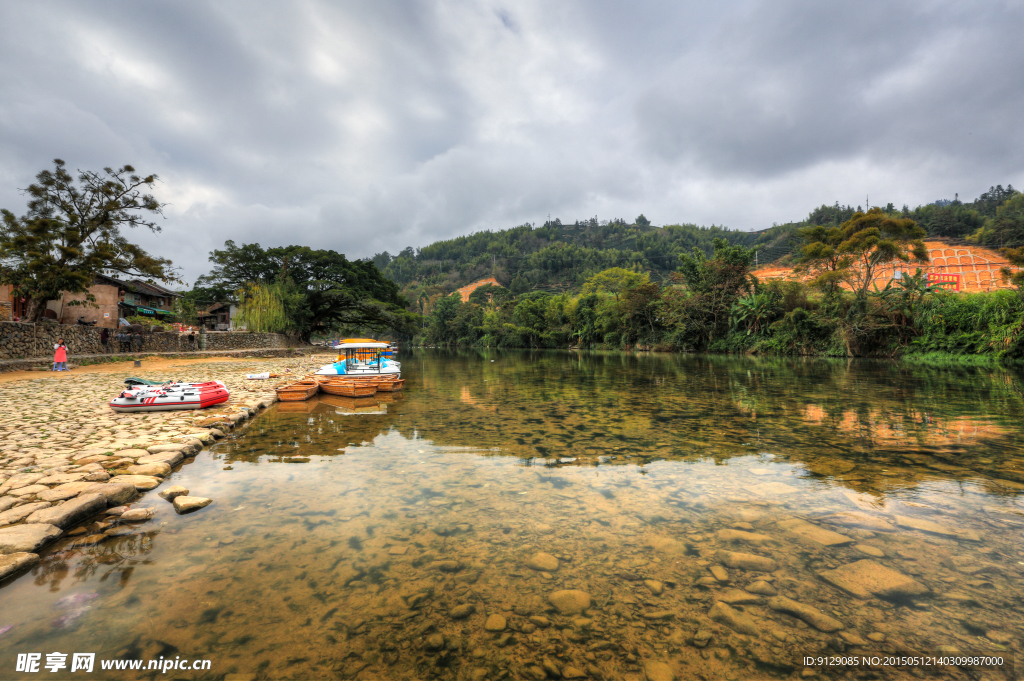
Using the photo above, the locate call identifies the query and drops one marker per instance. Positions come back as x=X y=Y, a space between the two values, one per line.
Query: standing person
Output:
x=191 y=339
x=137 y=341
x=105 y=340
x=60 y=356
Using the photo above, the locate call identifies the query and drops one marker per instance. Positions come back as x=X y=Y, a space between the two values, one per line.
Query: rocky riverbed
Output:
x=343 y=543
x=69 y=465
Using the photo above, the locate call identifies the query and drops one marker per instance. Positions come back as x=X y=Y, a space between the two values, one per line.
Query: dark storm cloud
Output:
x=366 y=126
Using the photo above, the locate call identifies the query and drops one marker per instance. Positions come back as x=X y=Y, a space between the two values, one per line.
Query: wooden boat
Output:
x=391 y=386
x=349 y=388
x=299 y=391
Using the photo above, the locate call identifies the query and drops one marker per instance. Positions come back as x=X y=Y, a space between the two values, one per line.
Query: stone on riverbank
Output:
x=157 y=469
x=116 y=493
x=137 y=515
x=19 y=513
x=185 y=504
x=171 y=492
x=866 y=578
x=140 y=482
x=65 y=491
x=70 y=512
x=171 y=458
x=27 y=538
x=570 y=601
x=13 y=563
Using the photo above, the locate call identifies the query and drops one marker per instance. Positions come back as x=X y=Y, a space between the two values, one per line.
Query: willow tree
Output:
x=262 y=308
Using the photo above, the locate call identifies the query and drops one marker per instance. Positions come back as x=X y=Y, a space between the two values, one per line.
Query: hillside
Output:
x=560 y=257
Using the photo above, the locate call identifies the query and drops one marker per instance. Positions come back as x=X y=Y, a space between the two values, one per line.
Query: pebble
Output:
x=654 y=586
x=495 y=623
x=570 y=601
x=762 y=588
x=658 y=671
x=542 y=562
x=460 y=612
x=807 y=613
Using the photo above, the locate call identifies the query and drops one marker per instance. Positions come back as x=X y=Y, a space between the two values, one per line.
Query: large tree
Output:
x=335 y=292
x=72 y=231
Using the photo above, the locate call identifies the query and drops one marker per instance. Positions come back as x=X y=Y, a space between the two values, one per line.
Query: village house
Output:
x=114 y=299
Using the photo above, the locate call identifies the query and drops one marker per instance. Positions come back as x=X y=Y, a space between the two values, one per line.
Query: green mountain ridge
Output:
x=559 y=257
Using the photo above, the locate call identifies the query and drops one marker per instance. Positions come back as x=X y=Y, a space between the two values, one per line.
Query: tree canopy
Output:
x=333 y=291
x=72 y=231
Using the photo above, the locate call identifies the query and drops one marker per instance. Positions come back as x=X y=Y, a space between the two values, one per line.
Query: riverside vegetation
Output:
x=604 y=516
x=682 y=287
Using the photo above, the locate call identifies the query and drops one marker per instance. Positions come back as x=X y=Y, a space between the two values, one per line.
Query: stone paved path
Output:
x=67 y=459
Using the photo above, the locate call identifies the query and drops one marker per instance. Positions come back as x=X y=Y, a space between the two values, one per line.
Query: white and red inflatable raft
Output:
x=171 y=396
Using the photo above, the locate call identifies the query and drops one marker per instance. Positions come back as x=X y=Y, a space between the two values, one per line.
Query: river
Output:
x=550 y=514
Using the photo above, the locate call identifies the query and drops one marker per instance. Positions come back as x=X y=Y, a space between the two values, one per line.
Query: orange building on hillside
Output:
x=469 y=288
x=974 y=268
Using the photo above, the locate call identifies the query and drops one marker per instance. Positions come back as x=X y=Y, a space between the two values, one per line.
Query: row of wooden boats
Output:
x=364 y=386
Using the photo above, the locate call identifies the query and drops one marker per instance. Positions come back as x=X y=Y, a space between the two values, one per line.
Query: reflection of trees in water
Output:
x=822 y=413
x=115 y=558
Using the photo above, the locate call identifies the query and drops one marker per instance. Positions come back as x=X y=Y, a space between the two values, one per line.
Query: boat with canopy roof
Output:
x=362 y=359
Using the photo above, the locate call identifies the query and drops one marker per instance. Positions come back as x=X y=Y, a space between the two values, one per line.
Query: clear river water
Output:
x=561 y=515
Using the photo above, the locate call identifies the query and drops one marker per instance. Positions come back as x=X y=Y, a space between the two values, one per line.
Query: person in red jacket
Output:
x=60 y=356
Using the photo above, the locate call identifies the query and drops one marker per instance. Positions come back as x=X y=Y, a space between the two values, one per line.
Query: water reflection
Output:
x=562 y=515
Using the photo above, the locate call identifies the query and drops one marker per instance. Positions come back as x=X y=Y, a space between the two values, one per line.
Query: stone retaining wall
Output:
x=21 y=340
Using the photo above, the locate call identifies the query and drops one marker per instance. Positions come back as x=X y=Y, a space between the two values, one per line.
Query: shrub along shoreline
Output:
x=716 y=305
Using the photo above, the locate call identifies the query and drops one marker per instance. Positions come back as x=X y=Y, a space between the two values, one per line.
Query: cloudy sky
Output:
x=370 y=126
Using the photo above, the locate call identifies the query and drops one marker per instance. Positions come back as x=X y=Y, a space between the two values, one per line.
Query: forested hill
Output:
x=560 y=257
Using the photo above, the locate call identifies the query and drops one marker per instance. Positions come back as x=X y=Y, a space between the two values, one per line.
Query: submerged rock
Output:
x=495 y=623
x=761 y=588
x=658 y=671
x=734 y=619
x=746 y=561
x=542 y=562
x=813 y=533
x=570 y=601
x=13 y=563
x=461 y=612
x=866 y=578
x=740 y=535
x=807 y=613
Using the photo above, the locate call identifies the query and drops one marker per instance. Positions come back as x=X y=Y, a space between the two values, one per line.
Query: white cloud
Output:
x=367 y=126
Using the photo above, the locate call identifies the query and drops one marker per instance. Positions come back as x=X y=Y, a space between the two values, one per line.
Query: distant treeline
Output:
x=557 y=257
x=712 y=302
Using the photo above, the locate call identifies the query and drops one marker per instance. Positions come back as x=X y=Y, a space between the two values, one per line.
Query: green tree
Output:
x=335 y=292
x=614 y=280
x=1015 y=256
x=820 y=257
x=874 y=239
x=72 y=231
